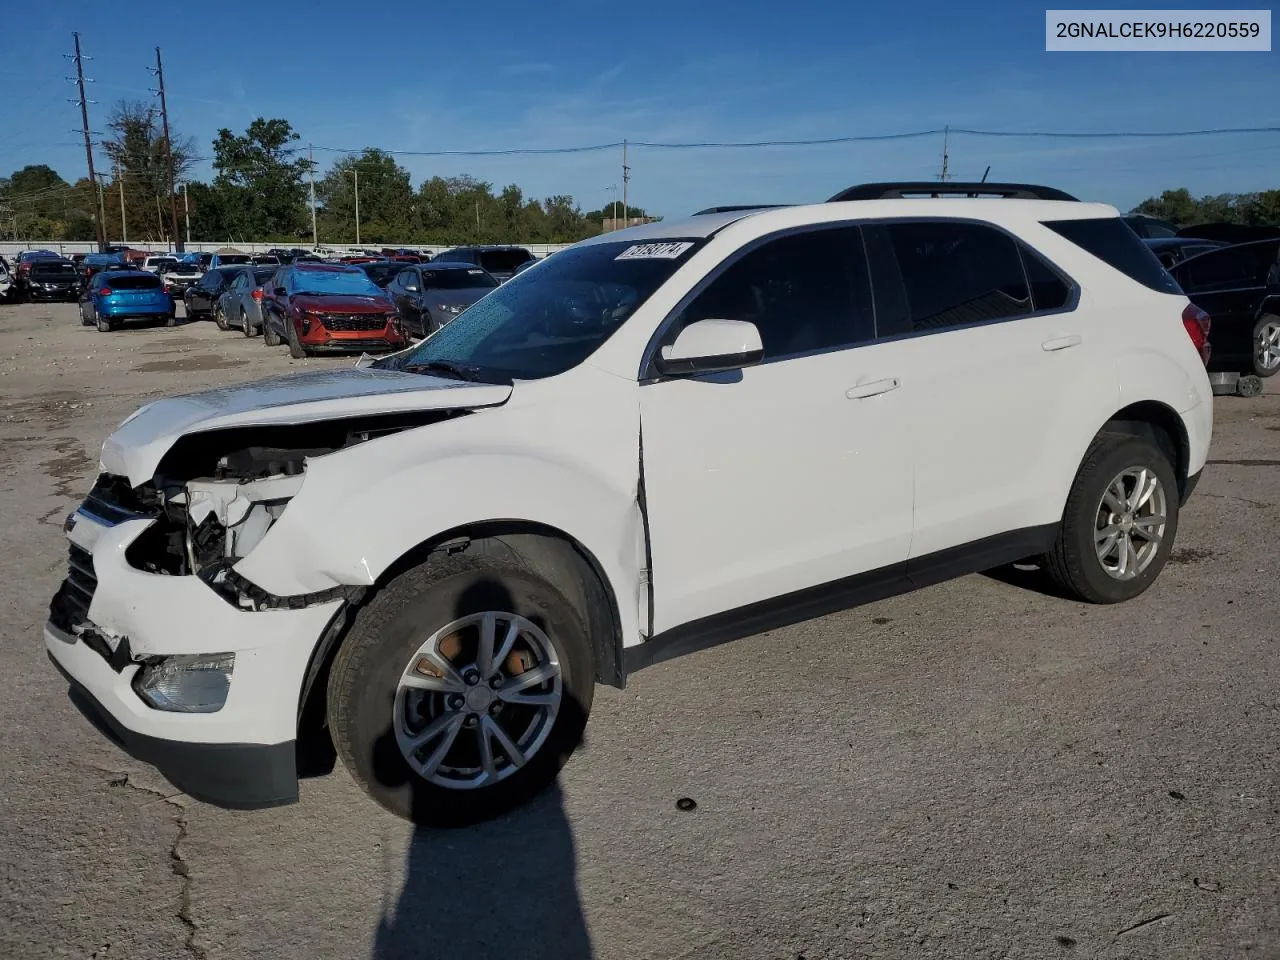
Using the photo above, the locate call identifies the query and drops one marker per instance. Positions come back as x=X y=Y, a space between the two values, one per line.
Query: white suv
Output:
x=659 y=439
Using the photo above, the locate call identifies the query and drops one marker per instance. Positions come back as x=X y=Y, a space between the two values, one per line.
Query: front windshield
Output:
x=546 y=321
x=457 y=279
x=352 y=283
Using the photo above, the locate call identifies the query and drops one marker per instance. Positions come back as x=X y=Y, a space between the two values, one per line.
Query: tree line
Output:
x=260 y=192
x=1179 y=207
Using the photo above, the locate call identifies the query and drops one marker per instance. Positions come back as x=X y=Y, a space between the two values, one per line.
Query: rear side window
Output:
x=1110 y=240
x=134 y=283
x=1048 y=290
x=1232 y=268
x=936 y=274
x=805 y=292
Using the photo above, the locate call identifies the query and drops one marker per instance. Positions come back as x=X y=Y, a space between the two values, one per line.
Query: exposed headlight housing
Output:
x=186 y=684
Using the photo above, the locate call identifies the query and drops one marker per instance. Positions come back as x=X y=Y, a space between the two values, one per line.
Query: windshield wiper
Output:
x=456 y=371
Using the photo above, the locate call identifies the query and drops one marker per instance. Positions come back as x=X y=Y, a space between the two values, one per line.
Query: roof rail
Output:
x=735 y=208
x=927 y=188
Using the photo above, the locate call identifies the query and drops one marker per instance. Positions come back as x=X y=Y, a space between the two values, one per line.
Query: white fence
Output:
x=11 y=248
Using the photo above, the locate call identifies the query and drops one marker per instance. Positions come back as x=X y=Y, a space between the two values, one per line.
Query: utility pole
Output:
x=626 y=178
x=124 y=224
x=168 y=155
x=88 y=147
x=311 y=168
x=946 y=136
x=477 y=218
x=186 y=210
x=356 y=172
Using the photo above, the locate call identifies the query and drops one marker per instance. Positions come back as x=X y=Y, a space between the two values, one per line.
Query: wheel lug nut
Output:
x=471 y=678
x=496 y=707
x=471 y=720
x=496 y=681
x=456 y=702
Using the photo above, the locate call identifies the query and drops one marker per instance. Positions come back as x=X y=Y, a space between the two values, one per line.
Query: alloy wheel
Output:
x=1268 y=346
x=477 y=700
x=1130 y=524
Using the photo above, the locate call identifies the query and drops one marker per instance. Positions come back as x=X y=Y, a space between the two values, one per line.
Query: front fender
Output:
x=555 y=461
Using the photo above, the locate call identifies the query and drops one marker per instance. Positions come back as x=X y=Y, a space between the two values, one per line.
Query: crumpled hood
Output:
x=139 y=443
x=339 y=303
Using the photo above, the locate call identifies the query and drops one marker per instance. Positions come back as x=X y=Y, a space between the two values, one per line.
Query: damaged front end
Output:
x=213 y=498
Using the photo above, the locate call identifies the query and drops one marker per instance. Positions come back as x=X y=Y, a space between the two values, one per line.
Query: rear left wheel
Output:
x=220 y=317
x=245 y=328
x=1119 y=523
x=461 y=690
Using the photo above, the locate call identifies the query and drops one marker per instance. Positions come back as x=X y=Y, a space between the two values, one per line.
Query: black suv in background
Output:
x=1239 y=287
x=501 y=262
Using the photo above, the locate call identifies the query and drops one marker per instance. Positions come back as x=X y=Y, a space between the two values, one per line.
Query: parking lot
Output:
x=979 y=769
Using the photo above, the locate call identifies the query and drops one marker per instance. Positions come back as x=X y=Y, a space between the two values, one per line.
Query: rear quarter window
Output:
x=1112 y=241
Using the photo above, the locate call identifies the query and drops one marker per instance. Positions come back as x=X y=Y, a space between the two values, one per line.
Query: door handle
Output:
x=873 y=388
x=1061 y=343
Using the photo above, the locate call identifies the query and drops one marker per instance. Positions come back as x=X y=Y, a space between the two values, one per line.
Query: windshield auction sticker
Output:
x=1135 y=31
x=668 y=250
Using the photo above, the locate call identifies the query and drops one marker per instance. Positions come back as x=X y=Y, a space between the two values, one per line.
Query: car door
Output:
x=86 y=297
x=233 y=297
x=785 y=475
x=1003 y=370
x=1229 y=284
x=198 y=296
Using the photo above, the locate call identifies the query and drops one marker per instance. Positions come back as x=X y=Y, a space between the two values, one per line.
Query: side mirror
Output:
x=280 y=292
x=709 y=346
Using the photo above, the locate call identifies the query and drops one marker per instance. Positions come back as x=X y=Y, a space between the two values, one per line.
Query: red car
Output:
x=329 y=308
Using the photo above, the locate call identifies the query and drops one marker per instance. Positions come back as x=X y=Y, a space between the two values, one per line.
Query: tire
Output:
x=83 y=321
x=1266 y=345
x=104 y=324
x=249 y=331
x=219 y=317
x=269 y=335
x=384 y=640
x=295 y=345
x=1074 y=563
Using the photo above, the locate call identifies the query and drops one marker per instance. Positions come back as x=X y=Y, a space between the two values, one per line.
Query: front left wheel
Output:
x=461 y=690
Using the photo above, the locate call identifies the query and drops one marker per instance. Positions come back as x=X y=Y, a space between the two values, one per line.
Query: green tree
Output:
x=1179 y=207
x=261 y=182
x=387 y=202
x=140 y=169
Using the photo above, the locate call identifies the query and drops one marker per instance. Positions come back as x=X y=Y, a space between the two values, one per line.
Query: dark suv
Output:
x=501 y=262
x=1239 y=287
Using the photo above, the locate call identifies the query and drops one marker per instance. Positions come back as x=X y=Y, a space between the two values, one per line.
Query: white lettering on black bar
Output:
x=667 y=250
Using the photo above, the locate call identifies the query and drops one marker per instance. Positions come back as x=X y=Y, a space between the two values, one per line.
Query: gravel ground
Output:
x=974 y=770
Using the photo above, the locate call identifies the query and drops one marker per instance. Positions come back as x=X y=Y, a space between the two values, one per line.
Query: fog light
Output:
x=186 y=684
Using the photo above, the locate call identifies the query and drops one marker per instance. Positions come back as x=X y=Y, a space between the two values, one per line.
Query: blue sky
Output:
x=518 y=74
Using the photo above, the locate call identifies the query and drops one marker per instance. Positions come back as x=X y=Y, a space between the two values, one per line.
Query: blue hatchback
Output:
x=118 y=295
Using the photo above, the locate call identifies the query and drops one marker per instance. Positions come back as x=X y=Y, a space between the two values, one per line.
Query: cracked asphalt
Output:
x=976 y=770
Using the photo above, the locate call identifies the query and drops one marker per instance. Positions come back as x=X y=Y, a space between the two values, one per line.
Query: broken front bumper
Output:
x=241 y=755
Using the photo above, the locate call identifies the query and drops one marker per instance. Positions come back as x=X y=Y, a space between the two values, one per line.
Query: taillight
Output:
x=257 y=294
x=1197 y=323
x=105 y=291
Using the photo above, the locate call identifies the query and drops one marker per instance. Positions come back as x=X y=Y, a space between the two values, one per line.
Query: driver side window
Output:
x=806 y=292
